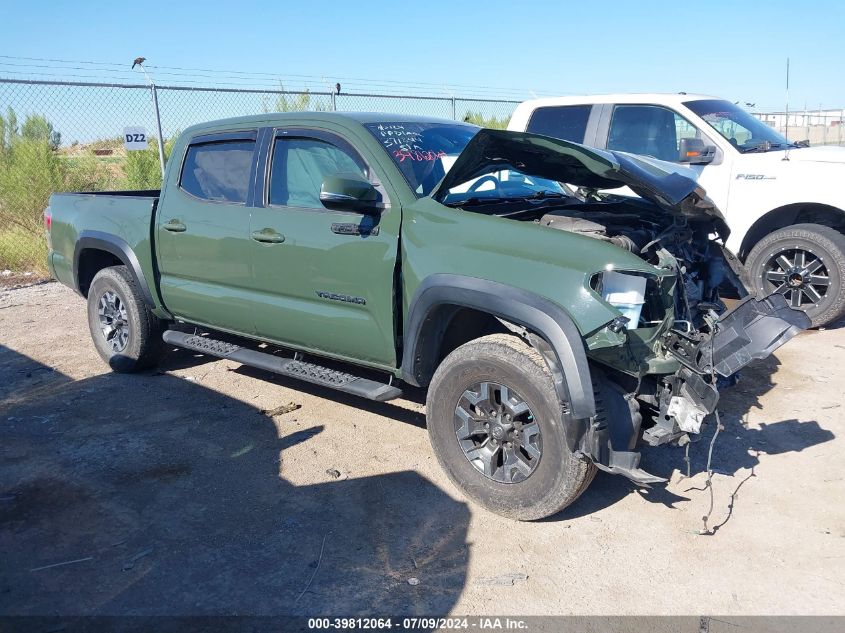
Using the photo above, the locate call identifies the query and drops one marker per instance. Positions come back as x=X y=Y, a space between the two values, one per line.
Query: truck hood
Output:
x=820 y=154
x=571 y=163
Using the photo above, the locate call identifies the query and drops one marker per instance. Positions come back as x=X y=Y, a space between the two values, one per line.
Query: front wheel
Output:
x=125 y=332
x=805 y=263
x=495 y=424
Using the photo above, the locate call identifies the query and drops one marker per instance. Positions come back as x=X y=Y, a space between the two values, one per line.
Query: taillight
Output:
x=48 y=226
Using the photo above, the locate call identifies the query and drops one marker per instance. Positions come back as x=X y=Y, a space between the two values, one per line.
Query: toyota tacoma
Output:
x=554 y=327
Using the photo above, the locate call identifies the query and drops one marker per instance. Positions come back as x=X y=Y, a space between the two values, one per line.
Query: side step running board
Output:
x=308 y=372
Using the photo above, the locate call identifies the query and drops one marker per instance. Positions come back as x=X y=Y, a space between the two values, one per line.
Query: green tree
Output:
x=36 y=127
x=142 y=167
x=476 y=118
x=293 y=102
x=11 y=125
x=8 y=129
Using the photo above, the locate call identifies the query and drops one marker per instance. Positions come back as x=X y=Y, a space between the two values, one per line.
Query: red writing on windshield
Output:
x=416 y=154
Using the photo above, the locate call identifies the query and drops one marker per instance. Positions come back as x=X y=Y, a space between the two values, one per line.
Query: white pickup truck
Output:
x=784 y=201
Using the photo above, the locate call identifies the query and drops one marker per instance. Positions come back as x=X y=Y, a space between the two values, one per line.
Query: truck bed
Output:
x=124 y=217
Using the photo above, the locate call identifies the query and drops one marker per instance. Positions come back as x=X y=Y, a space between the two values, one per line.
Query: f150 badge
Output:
x=333 y=296
x=754 y=177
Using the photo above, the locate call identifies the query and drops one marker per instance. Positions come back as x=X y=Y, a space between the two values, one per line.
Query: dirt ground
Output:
x=180 y=492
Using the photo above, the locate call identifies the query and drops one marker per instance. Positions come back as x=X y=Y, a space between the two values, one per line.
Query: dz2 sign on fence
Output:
x=134 y=138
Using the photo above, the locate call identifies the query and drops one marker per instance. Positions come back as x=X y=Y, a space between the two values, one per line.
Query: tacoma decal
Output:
x=333 y=296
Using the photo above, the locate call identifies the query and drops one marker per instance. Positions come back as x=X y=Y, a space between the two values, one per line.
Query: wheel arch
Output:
x=96 y=250
x=440 y=297
x=795 y=213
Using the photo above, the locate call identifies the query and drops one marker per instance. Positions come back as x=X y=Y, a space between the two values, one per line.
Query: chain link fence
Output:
x=68 y=136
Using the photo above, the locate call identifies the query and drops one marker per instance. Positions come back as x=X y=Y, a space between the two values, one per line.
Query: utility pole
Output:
x=154 y=92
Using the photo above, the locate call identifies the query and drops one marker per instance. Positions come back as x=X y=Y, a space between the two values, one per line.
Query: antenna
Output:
x=786 y=129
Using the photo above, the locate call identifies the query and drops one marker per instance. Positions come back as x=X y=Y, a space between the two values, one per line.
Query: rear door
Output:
x=202 y=233
x=326 y=277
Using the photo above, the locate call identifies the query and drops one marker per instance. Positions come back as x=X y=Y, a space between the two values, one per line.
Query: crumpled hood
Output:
x=571 y=163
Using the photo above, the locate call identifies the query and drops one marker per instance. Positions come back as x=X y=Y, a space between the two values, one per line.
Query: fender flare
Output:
x=98 y=240
x=546 y=319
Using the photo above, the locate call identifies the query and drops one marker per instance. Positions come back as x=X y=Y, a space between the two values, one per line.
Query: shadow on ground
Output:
x=738 y=448
x=172 y=499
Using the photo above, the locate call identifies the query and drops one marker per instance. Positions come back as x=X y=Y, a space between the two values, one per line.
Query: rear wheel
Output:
x=805 y=263
x=126 y=334
x=496 y=427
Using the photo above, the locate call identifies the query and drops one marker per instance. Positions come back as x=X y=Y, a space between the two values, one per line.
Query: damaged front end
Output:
x=668 y=408
x=657 y=364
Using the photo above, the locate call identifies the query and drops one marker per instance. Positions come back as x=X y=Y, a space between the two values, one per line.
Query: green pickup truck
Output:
x=554 y=327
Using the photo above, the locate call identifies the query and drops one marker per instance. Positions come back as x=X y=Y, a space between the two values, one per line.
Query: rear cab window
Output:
x=568 y=123
x=218 y=169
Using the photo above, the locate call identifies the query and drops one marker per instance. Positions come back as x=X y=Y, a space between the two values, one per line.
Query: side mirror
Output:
x=350 y=192
x=694 y=152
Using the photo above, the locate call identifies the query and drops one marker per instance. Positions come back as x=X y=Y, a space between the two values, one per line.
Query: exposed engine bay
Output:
x=703 y=265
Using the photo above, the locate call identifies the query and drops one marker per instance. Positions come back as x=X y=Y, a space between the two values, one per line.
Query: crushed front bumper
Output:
x=752 y=330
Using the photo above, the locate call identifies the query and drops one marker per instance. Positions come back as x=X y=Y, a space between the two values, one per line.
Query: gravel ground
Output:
x=182 y=491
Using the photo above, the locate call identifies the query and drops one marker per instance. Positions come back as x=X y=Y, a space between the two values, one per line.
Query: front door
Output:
x=326 y=277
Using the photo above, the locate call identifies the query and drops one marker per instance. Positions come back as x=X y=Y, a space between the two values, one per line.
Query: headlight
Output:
x=636 y=295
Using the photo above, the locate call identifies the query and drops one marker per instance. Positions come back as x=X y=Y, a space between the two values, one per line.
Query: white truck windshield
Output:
x=737 y=126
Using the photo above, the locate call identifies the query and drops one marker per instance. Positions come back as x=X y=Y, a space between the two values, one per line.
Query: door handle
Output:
x=267 y=236
x=174 y=226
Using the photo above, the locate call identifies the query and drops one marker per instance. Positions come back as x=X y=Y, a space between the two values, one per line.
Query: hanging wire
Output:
x=709 y=483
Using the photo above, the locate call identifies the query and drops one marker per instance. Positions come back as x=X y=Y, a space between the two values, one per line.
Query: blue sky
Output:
x=731 y=49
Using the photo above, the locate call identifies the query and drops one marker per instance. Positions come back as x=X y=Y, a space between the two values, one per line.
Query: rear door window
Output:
x=218 y=171
x=564 y=122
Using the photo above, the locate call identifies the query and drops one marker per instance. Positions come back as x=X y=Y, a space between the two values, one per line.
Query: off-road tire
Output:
x=144 y=346
x=560 y=477
x=825 y=243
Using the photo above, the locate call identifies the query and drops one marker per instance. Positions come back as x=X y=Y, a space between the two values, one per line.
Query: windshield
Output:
x=425 y=151
x=737 y=126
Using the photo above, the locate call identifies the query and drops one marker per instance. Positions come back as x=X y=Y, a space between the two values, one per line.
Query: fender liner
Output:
x=548 y=320
x=98 y=240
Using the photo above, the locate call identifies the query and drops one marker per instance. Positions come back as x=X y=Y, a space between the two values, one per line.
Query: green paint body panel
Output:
x=214 y=274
